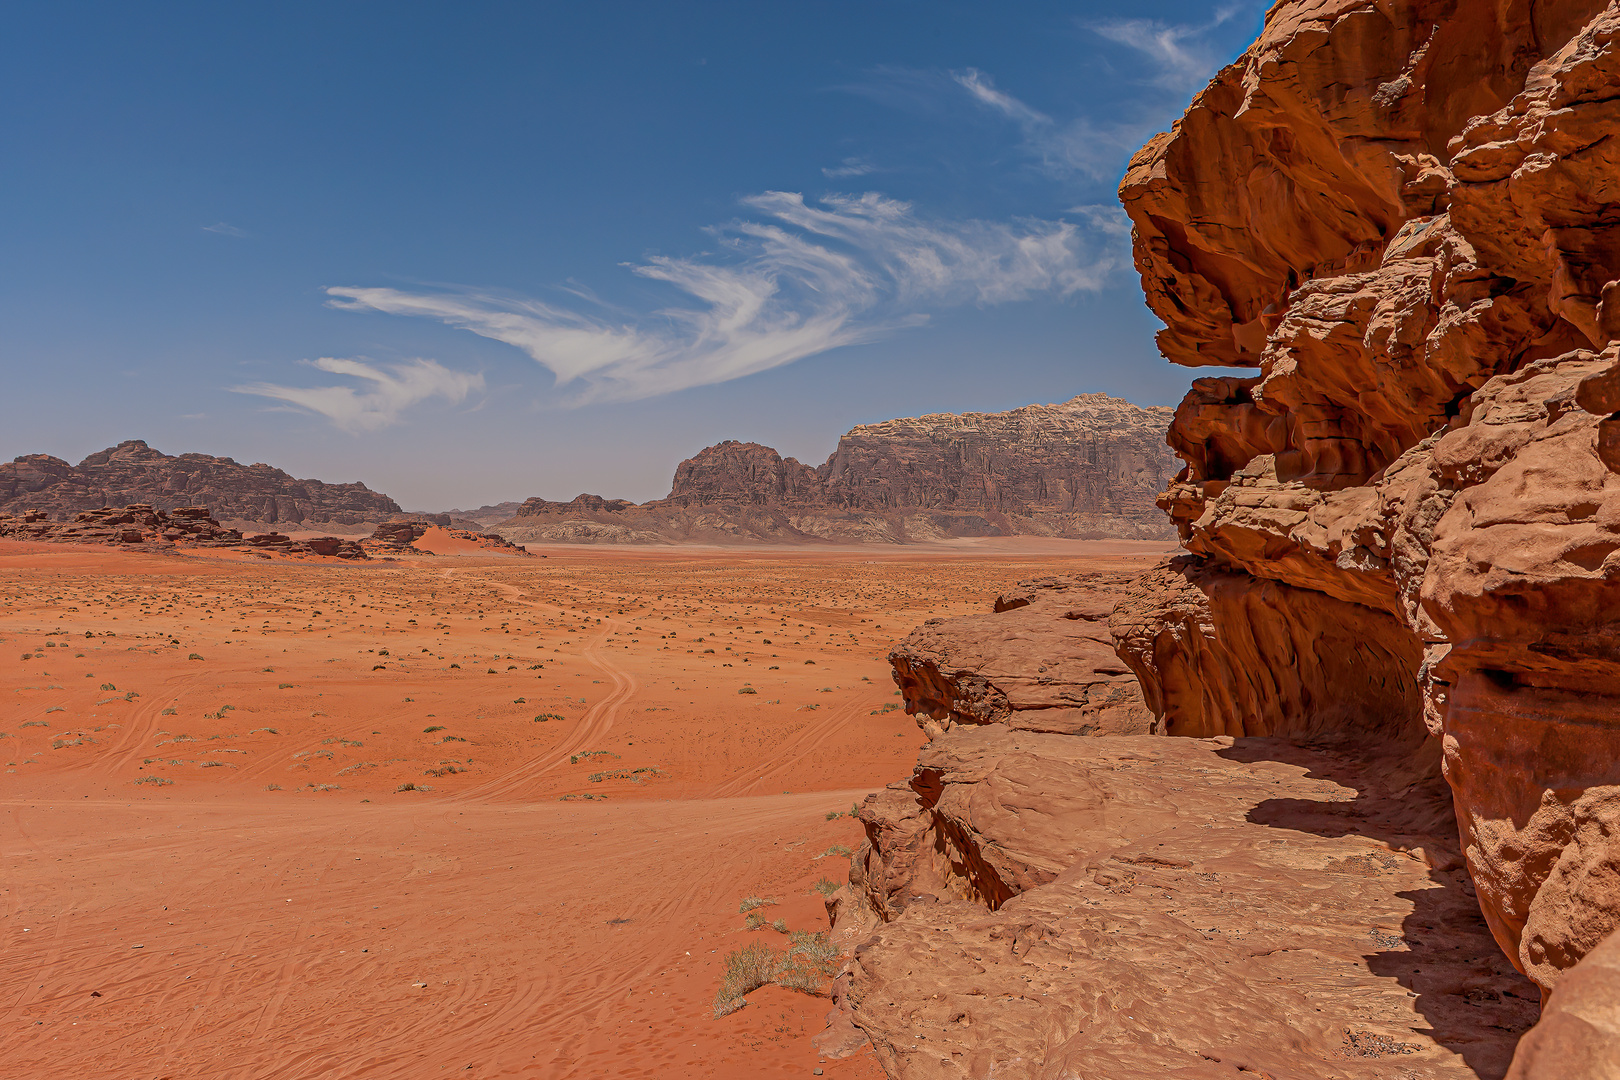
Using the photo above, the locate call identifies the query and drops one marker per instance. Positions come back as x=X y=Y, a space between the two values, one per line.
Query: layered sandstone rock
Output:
x=1089 y=467
x=133 y=472
x=143 y=524
x=1403 y=217
x=1140 y=907
x=1403 y=539
x=416 y=536
x=1043 y=661
x=138 y=523
x=1092 y=465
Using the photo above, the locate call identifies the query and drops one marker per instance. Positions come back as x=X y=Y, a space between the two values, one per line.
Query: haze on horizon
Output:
x=483 y=252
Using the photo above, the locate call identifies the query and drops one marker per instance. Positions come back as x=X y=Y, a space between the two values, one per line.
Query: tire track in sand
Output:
x=788 y=757
x=596 y=723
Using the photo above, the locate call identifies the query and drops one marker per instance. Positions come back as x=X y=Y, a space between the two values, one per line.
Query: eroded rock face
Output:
x=133 y=472
x=1578 y=1037
x=1043 y=661
x=145 y=525
x=1089 y=467
x=1146 y=907
x=1404 y=217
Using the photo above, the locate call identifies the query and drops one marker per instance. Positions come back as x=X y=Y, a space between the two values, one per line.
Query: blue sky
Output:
x=482 y=251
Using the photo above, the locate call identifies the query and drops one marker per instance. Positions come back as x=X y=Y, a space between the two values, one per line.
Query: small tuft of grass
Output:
x=431 y=730
x=826 y=886
x=751 y=902
x=747 y=969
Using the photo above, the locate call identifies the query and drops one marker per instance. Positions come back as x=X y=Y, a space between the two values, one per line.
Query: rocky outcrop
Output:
x=144 y=525
x=1087 y=468
x=1141 y=907
x=133 y=472
x=1402 y=218
x=1403 y=537
x=1090 y=466
x=411 y=536
x=1043 y=661
x=138 y=523
x=1578 y=1037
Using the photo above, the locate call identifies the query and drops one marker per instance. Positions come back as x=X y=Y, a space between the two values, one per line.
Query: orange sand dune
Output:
x=212 y=870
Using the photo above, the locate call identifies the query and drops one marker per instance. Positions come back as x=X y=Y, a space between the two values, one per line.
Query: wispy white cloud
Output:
x=852 y=166
x=978 y=84
x=385 y=392
x=224 y=229
x=797 y=279
x=1183 y=55
x=1097 y=151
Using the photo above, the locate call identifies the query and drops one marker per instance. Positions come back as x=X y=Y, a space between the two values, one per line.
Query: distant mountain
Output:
x=488 y=515
x=133 y=472
x=1090 y=467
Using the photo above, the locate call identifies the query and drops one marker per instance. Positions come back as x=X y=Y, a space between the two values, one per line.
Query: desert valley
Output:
x=1271 y=736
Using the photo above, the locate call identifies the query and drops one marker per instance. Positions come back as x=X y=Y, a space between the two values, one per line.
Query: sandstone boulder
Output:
x=1043 y=661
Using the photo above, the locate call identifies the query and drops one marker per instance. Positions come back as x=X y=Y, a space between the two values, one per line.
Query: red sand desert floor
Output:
x=211 y=870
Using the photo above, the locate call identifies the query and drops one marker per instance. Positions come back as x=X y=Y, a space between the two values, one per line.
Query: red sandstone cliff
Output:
x=1089 y=467
x=1403 y=218
x=1403 y=537
x=133 y=472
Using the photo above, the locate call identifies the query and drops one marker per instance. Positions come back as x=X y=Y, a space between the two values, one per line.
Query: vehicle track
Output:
x=592 y=727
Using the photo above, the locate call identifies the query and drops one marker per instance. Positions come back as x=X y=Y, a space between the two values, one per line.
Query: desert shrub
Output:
x=547 y=717
x=780 y=926
x=811 y=961
x=431 y=730
x=159 y=781
x=747 y=690
x=747 y=969
x=406 y=786
x=195 y=656
x=272 y=787
x=754 y=921
x=833 y=815
x=826 y=886
x=808 y=964
x=836 y=849
x=108 y=686
x=33 y=723
x=751 y=902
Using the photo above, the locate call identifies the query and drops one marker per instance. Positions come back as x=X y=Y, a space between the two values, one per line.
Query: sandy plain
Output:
x=442 y=816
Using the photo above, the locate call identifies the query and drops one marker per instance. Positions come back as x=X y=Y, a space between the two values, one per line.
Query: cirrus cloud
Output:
x=385 y=391
x=793 y=280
